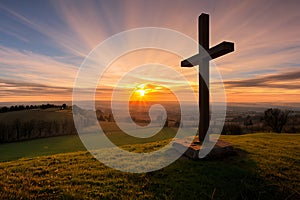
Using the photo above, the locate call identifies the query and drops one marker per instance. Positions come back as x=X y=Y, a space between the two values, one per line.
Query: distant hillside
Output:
x=35 y=123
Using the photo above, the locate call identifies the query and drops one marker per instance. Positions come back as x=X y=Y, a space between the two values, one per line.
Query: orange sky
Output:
x=42 y=46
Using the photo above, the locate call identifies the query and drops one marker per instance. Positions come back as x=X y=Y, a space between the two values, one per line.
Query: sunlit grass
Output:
x=276 y=156
x=267 y=167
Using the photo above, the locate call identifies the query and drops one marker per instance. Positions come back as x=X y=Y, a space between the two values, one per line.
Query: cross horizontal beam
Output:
x=214 y=52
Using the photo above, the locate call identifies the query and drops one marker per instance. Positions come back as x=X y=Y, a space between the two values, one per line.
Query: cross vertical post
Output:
x=203 y=39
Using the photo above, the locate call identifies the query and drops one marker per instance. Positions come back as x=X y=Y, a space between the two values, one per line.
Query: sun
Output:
x=141 y=92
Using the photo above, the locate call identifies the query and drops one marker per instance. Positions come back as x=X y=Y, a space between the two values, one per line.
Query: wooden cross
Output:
x=203 y=62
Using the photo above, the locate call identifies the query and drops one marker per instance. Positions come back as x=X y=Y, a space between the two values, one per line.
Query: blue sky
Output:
x=43 y=43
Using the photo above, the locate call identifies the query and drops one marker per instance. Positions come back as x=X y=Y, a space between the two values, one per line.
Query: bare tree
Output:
x=276 y=119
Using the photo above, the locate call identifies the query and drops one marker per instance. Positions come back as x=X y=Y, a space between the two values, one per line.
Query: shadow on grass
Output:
x=230 y=178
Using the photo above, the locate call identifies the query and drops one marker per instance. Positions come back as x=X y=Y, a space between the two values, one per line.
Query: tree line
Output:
x=27 y=107
x=19 y=130
x=273 y=120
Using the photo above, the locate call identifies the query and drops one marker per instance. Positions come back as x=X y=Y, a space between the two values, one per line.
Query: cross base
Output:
x=221 y=149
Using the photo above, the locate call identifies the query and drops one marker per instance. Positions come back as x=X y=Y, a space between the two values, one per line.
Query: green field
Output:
x=267 y=167
x=40 y=147
x=72 y=143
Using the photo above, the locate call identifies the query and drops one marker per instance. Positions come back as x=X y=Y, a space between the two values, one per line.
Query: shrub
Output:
x=231 y=129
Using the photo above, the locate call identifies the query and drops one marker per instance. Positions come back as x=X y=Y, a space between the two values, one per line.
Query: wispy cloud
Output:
x=286 y=80
x=23 y=91
x=63 y=37
x=35 y=68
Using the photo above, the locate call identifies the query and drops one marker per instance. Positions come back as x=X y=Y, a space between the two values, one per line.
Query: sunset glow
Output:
x=42 y=49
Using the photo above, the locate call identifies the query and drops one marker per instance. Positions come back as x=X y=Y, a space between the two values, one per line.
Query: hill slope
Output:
x=267 y=167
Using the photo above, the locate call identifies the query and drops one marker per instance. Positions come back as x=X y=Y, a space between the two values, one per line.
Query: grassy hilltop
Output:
x=266 y=167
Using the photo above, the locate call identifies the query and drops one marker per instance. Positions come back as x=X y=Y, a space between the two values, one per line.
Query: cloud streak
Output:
x=288 y=80
x=31 y=67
